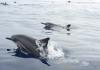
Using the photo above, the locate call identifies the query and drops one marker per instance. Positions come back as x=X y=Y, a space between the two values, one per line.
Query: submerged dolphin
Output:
x=3 y=3
x=31 y=46
x=51 y=26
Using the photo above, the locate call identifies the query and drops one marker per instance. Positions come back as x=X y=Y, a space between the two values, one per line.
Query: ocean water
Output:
x=78 y=49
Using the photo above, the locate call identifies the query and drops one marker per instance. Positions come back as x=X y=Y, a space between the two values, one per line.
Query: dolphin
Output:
x=3 y=3
x=51 y=26
x=31 y=46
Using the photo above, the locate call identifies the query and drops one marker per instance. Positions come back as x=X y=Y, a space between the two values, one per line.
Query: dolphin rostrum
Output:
x=31 y=46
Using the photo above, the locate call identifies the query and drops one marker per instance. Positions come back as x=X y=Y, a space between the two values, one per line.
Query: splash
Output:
x=54 y=52
x=57 y=56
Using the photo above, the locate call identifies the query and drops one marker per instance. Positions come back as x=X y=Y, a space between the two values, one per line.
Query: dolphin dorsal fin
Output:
x=68 y=26
x=44 y=42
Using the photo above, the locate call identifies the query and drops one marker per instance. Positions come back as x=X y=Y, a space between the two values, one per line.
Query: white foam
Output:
x=54 y=51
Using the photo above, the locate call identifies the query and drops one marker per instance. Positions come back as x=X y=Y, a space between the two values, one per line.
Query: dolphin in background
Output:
x=4 y=3
x=51 y=26
x=31 y=46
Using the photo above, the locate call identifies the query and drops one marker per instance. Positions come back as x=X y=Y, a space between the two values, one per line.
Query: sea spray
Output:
x=54 y=51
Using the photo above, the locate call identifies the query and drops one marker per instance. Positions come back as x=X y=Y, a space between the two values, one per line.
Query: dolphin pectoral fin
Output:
x=45 y=61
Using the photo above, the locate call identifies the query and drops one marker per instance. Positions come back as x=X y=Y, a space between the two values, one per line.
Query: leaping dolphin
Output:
x=31 y=46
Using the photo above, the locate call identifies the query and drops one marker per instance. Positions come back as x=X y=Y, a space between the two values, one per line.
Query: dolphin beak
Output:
x=42 y=23
x=8 y=38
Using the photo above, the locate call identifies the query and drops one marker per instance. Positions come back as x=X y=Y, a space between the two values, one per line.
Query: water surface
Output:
x=81 y=47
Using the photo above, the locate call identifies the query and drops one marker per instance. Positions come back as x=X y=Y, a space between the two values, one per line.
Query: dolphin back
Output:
x=29 y=44
x=25 y=43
